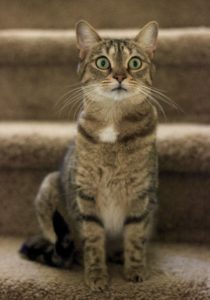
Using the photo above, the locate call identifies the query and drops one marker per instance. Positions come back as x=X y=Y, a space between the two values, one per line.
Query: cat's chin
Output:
x=115 y=95
x=119 y=95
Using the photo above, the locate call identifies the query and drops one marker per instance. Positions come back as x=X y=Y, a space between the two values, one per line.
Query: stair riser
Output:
x=183 y=203
x=17 y=192
x=38 y=92
x=183 y=206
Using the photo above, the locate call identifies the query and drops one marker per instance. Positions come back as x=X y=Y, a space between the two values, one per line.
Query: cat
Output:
x=102 y=201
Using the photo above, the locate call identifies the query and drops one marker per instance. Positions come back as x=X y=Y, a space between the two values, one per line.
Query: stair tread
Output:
x=175 y=270
x=41 y=145
x=18 y=46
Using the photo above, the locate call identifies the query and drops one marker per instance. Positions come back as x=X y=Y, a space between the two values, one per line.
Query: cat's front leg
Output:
x=136 y=234
x=93 y=232
x=96 y=276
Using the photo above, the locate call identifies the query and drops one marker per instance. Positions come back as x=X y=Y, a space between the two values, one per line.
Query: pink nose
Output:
x=119 y=77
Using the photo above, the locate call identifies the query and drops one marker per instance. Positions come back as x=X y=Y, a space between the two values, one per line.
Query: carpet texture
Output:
x=176 y=272
x=29 y=56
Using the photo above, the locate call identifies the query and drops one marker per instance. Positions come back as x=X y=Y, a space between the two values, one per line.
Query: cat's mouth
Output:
x=119 y=88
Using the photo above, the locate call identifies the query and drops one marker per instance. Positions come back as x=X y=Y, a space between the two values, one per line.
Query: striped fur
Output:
x=104 y=197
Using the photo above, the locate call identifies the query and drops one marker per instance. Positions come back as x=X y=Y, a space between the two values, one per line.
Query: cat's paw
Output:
x=97 y=280
x=135 y=275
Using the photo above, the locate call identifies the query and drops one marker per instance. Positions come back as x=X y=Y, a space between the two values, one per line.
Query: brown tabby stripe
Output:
x=137 y=219
x=135 y=135
x=86 y=197
x=153 y=200
x=83 y=69
x=91 y=218
x=132 y=117
x=136 y=260
x=144 y=193
x=151 y=193
x=86 y=135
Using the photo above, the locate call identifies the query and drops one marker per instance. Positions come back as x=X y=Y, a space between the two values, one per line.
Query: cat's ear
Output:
x=147 y=37
x=86 y=37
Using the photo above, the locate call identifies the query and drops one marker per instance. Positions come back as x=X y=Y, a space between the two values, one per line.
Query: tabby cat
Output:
x=102 y=201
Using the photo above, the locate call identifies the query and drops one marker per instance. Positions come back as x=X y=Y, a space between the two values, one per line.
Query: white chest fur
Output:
x=108 y=134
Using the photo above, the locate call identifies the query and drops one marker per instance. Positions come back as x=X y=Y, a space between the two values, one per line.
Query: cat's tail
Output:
x=60 y=254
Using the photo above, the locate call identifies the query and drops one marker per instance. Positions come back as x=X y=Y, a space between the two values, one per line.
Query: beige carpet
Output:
x=176 y=272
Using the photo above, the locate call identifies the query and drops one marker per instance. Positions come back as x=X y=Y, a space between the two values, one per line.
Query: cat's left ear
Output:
x=86 y=37
x=147 y=37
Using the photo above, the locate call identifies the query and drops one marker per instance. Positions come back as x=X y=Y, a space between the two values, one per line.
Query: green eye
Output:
x=135 y=63
x=102 y=63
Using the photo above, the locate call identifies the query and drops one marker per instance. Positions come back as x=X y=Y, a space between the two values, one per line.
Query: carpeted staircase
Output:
x=37 y=67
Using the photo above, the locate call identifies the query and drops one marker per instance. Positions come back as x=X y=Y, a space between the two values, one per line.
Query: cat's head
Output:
x=116 y=69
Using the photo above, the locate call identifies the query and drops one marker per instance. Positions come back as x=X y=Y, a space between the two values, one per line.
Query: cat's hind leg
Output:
x=54 y=246
x=60 y=254
x=46 y=203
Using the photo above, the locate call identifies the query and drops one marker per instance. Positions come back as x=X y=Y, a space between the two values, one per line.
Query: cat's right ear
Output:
x=86 y=37
x=147 y=37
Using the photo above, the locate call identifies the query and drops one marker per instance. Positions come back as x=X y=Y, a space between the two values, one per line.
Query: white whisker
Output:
x=73 y=97
x=162 y=97
x=149 y=98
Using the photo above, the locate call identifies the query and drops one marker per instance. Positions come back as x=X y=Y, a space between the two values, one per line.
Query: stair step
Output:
x=30 y=150
x=130 y=13
x=45 y=61
x=177 y=271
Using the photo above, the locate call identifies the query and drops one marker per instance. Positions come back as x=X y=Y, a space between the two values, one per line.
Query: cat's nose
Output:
x=119 y=77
